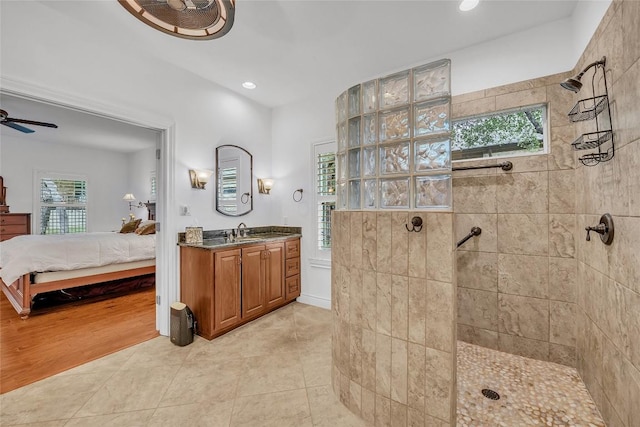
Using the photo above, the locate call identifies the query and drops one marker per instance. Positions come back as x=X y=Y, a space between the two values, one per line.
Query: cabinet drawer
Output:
x=292 y=248
x=13 y=220
x=292 y=287
x=292 y=267
x=13 y=229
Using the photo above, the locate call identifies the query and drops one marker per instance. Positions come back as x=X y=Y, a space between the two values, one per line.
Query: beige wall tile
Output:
x=439 y=246
x=383 y=411
x=383 y=304
x=369 y=241
x=418 y=251
x=629 y=162
x=475 y=194
x=562 y=228
x=469 y=96
x=561 y=154
x=562 y=279
x=478 y=336
x=355 y=354
x=416 y=381
x=630 y=25
x=383 y=242
x=562 y=190
x=355 y=398
x=399 y=243
x=523 y=316
x=477 y=270
x=562 y=323
x=478 y=308
x=417 y=310
x=473 y=107
x=526 y=192
x=368 y=406
x=368 y=361
x=560 y=102
x=355 y=297
x=521 y=98
x=399 y=370
x=383 y=365
x=415 y=418
x=487 y=241
x=355 y=245
x=398 y=414
x=524 y=275
x=399 y=306
x=439 y=384
x=513 y=87
x=534 y=163
x=523 y=234
x=523 y=346
x=562 y=354
x=440 y=316
x=369 y=299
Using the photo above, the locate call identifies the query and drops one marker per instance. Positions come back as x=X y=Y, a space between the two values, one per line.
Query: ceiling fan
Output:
x=13 y=123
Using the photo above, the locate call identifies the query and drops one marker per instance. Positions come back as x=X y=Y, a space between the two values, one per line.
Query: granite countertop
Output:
x=215 y=239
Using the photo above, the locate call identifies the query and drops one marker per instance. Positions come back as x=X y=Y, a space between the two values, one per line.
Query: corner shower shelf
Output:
x=589 y=108
x=588 y=141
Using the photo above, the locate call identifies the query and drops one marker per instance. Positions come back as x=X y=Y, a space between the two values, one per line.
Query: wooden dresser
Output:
x=14 y=224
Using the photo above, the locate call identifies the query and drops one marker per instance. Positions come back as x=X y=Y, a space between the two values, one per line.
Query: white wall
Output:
x=107 y=175
x=140 y=166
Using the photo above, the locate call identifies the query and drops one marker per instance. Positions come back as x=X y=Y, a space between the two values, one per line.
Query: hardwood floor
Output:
x=55 y=339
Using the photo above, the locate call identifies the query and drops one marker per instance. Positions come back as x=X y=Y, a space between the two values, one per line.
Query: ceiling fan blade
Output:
x=30 y=122
x=17 y=127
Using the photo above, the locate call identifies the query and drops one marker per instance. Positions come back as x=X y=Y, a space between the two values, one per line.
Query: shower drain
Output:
x=490 y=394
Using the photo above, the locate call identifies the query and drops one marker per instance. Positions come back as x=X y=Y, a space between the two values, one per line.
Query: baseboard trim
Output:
x=315 y=301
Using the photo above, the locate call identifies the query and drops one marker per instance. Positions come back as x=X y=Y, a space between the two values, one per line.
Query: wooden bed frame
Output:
x=21 y=292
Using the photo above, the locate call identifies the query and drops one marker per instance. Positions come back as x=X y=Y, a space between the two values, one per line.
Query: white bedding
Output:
x=38 y=253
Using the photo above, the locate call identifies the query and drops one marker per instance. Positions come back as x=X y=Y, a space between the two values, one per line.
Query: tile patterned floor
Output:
x=275 y=371
x=532 y=393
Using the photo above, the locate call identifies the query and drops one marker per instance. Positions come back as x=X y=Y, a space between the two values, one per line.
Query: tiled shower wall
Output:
x=516 y=281
x=393 y=306
x=608 y=292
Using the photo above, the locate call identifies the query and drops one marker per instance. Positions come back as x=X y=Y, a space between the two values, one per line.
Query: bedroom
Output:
x=199 y=115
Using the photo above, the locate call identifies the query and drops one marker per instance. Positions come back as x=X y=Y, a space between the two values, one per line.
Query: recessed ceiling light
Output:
x=249 y=85
x=466 y=5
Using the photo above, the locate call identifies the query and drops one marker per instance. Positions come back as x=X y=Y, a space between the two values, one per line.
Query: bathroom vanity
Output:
x=228 y=283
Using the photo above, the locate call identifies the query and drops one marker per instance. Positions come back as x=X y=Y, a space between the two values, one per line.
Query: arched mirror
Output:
x=234 y=169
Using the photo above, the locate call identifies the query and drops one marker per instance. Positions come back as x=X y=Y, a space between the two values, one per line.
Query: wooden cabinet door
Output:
x=196 y=286
x=253 y=280
x=227 y=288
x=275 y=274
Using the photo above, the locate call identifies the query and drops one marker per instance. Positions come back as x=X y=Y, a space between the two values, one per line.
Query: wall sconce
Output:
x=265 y=185
x=199 y=177
x=129 y=197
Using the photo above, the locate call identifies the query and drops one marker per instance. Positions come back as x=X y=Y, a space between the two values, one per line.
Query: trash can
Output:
x=183 y=324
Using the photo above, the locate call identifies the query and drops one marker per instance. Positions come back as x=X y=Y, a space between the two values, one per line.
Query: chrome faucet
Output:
x=243 y=232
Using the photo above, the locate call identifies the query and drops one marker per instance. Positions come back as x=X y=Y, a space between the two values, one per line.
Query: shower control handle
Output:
x=600 y=229
x=604 y=229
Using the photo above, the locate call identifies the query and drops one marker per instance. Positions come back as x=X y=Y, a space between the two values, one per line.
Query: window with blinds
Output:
x=228 y=183
x=63 y=205
x=325 y=194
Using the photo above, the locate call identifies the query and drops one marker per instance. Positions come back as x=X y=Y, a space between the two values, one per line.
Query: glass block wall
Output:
x=393 y=134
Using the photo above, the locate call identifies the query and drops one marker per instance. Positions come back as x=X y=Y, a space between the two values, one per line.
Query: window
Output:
x=62 y=204
x=506 y=133
x=325 y=194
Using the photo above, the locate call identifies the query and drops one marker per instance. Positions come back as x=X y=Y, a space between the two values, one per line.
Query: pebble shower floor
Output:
x=532 y=392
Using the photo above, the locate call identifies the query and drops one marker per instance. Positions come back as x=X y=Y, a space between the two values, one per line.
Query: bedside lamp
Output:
x=129 y=197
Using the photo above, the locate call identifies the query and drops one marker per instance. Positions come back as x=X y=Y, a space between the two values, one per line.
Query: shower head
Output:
x=573 y=83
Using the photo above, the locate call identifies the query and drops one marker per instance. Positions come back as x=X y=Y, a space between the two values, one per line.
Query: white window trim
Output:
x=38 y=176
x=319 y=258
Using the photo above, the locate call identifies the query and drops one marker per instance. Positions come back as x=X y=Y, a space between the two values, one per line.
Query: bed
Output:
x=33 y=264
